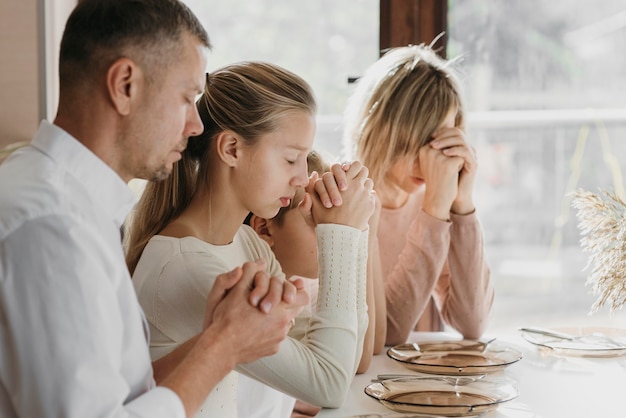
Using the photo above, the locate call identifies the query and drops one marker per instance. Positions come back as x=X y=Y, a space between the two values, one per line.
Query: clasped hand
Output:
x=255 y=308
x=448 y=166
x=341 y=196
x=258 y=308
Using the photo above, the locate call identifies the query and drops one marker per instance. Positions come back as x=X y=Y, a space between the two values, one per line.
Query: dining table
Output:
x=549 y=384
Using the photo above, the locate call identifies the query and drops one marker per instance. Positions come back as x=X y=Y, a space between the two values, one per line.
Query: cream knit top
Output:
x=174 y=276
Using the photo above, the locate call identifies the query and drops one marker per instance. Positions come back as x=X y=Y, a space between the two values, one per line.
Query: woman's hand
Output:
x=449 y=165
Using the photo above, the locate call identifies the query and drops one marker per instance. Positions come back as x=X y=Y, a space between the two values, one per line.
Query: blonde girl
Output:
x=405 y=122
x=258 y=129
x=292 y=239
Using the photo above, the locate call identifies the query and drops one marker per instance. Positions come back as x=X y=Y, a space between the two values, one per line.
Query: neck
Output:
x=96 y=130
x=392 y=198
x=214 y=215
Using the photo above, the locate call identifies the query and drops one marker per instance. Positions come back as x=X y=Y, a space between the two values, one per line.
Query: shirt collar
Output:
x=104 y=186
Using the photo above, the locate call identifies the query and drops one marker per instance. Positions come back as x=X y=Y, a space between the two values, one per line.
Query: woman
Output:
x=405 y=122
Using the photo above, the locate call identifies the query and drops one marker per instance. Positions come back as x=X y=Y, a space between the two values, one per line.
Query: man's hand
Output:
x=254 y=310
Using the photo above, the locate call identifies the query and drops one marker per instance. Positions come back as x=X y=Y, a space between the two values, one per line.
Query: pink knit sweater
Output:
x=433 y=271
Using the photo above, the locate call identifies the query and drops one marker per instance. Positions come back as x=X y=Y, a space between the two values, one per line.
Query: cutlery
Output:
x=548 y=333
x=590 y=338
x=388 y=376
x=453 y=380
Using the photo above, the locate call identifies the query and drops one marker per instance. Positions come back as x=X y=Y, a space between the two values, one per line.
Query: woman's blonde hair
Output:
x=396 y=107
x=247 y=98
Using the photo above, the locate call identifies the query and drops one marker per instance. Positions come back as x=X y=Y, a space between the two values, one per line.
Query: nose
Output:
x=301 y=177
x=194 y=123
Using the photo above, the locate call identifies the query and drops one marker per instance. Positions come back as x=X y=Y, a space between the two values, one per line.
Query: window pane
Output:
x=323 y=41
x=545 y=83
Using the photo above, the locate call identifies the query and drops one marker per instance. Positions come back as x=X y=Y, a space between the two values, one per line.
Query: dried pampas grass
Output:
x=602 y=223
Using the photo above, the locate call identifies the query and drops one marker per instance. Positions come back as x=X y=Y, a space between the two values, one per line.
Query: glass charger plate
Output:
x=465 y=357
x=438 y=397
x=587 y=342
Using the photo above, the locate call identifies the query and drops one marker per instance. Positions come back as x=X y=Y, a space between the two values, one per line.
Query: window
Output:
x=324 y=41
x=544 y=83
x=545 y=87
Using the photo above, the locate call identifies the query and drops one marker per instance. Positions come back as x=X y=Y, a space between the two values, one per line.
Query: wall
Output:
x=30 y=35
x=19 y=70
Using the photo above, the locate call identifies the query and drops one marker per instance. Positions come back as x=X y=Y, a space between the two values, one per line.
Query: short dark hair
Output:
x=98 y=32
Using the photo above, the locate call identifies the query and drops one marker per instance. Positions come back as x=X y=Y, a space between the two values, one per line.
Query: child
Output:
x=258 y=129
x=405 y=122
x=293 y=241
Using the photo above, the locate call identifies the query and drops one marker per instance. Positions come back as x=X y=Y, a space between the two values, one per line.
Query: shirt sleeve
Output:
x=445 y=260
x=467 y=301
x=65 y=350
x=319 y=368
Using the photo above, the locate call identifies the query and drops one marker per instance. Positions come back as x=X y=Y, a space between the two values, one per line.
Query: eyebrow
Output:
x=297 y=148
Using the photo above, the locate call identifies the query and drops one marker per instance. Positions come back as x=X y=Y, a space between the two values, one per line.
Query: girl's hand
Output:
x=329 y=190
x=357 y=200
x=453 y=144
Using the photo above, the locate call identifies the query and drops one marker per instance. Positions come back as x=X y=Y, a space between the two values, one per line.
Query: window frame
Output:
x=404 y=22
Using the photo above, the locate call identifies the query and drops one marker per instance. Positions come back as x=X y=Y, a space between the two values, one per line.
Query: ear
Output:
x=229 y=148
x=122 y=83
x=260 y=225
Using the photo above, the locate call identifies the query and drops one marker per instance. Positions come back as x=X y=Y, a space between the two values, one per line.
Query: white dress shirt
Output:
x=73 y=340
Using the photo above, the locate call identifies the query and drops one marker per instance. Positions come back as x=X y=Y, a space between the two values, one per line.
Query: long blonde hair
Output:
x=248 y=98
x=396 y=107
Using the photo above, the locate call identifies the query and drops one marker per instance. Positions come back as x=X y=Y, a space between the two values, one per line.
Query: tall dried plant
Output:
x=602 y=223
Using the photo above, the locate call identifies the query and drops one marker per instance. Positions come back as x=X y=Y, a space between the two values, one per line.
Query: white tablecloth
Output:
x=549 y=386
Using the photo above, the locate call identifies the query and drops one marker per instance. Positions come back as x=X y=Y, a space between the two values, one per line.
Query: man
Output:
x=73 y=340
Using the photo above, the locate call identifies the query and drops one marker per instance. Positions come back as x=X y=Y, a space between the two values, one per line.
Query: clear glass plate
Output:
x=587 y=342
x=465 y=357
x=438 y=397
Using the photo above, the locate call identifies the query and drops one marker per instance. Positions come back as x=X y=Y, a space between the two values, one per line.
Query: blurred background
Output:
x=544 y=84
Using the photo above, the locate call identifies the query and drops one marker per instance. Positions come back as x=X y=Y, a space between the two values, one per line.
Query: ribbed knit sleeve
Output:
x=434 y=264
x=319 y=368
x=338 y=249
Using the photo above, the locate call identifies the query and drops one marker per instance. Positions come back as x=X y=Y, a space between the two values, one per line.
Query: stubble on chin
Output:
x=160 y=173
x=154 y=174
